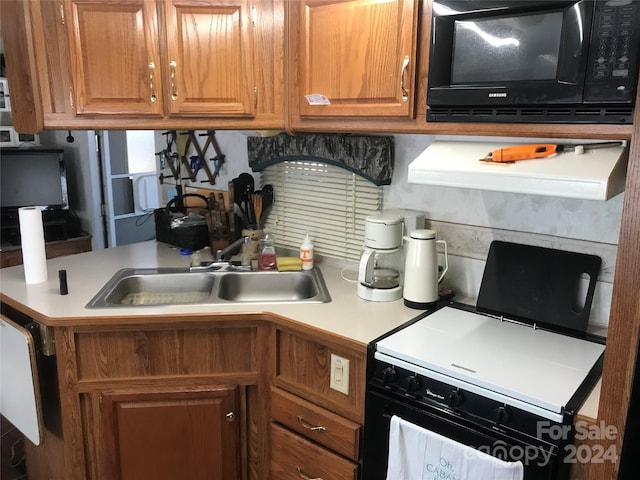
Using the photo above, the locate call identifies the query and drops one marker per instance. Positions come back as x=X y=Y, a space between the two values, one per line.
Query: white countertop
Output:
x=346 y=315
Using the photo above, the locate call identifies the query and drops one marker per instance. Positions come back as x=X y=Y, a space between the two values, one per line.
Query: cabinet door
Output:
x=210 y=57
x=359 y=54
x=165 y=434
x=114 y=55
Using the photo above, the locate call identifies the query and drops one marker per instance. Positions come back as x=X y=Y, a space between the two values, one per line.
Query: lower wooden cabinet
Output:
x=196 y=398
x=316 y=430
x=159 y=401
x=165 y=434
x=294 y=458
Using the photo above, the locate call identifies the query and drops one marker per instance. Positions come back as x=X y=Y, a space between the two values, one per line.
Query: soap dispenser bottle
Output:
x=306 y=253
x=267 y=252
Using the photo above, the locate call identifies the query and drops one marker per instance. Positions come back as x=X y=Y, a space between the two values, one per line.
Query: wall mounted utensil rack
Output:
x=177 y=160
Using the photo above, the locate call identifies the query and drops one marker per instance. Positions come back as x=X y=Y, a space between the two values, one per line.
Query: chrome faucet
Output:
x=219 y=264
x=220 y=254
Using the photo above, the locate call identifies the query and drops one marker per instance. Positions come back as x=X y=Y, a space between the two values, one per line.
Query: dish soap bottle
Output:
x=267 y=253
x=306 y=253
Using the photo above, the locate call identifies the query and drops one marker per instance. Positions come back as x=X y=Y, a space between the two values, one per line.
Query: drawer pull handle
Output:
x=405 y=64
x=304 y=476
x=304 y=424
x=152 y=67
x=174 y=92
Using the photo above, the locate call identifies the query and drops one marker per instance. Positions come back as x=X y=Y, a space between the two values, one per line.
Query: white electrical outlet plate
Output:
x=339 y=374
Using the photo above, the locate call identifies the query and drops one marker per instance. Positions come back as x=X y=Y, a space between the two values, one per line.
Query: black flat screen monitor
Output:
x=33 y=177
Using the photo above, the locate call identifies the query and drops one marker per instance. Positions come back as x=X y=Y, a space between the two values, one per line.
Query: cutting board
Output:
x=549 y=287
x=20 y=394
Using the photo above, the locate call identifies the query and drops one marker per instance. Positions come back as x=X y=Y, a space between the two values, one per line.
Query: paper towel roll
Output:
x=34 y=257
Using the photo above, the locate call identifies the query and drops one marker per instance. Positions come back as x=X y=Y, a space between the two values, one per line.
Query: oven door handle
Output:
x=308 y=426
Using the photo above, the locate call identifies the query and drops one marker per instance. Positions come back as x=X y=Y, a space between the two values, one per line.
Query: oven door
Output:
x=540 y=463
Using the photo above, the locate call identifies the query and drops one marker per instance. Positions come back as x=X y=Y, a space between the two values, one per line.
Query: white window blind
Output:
x=327 y=202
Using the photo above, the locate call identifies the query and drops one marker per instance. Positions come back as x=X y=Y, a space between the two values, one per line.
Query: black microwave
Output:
x=544 y=61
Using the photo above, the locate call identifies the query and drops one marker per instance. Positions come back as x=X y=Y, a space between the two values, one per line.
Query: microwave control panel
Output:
x=613 y=61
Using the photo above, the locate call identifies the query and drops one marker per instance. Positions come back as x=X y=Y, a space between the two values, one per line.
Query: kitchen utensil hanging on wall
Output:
x=246 y=185
x=267 y=195
x=237 y=193
x=188 y=139
x=218 y=160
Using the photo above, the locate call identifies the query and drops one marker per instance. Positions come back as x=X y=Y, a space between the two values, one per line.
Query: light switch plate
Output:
x=339 y=374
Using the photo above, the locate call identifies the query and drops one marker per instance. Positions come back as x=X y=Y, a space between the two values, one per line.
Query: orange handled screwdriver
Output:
x=542 y=150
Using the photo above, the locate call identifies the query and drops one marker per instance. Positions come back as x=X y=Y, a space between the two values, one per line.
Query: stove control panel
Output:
x=423 y=391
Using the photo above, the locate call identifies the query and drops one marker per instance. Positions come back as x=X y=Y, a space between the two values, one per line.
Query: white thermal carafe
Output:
x=421 y=276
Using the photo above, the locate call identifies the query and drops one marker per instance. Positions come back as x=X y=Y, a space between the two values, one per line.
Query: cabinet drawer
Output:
x=316 y=423
x=295 y=458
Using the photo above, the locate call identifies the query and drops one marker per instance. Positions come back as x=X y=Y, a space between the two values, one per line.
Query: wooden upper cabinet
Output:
x=210 y=53
x=114 y=51
x=176 y=58
x=20 y=51
x=359 y=54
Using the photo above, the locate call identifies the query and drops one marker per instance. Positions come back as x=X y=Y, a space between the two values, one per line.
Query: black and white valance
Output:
x=368 y=156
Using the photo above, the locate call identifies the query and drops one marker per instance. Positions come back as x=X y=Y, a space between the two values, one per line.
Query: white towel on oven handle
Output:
x=416 y=453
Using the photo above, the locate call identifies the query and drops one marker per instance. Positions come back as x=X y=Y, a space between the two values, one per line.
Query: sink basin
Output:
x=269 y=287
x=155 y=287
x=165 y=286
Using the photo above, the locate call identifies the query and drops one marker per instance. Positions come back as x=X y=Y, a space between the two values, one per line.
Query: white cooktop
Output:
x=534 y=367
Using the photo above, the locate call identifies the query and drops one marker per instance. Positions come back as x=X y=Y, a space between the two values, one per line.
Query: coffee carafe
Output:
x=379 y=275
x=421 y=276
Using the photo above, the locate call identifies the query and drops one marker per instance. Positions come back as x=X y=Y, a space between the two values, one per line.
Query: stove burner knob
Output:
x=502 y=415
x=455 y=398
x=389 y=376
x=413 y=385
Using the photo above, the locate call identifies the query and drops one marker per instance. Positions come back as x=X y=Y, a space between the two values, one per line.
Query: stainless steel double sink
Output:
x=175 y=286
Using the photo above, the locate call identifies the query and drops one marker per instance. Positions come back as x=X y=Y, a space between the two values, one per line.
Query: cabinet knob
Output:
x=230 y=416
